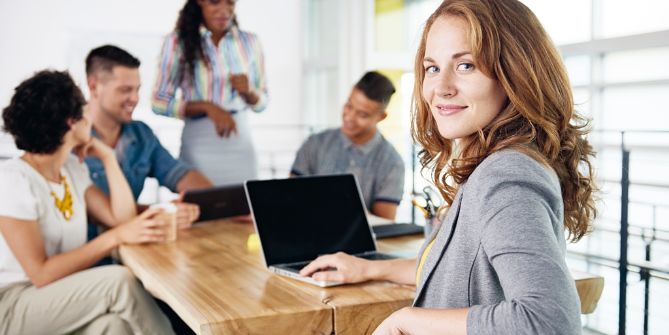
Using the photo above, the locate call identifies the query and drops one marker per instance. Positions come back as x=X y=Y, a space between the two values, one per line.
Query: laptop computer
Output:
x=219 y=202
x=298 y=219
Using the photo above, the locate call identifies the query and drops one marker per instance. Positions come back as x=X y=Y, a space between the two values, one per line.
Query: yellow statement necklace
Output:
x=64 y=205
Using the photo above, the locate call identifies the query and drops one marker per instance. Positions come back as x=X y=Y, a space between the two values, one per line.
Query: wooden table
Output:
x=218 y=286
x=210 y=279
x=360 y=308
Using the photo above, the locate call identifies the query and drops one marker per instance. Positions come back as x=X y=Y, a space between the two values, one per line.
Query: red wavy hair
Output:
x=509 y=45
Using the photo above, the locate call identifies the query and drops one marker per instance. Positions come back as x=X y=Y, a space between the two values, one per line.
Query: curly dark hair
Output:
x=39 y=111
x=188 y=32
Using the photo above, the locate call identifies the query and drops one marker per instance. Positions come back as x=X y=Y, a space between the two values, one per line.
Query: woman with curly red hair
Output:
x=494 y=113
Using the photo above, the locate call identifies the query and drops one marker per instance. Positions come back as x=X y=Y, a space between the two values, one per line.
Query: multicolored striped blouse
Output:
x=238 y=52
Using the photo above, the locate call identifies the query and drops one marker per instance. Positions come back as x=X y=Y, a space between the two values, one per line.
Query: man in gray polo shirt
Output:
x=359 y=148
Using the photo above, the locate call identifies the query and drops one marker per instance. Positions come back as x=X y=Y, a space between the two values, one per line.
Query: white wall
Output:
x=278 y=23
x=38 y=34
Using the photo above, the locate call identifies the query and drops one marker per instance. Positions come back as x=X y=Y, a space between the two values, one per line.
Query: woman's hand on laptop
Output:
x=339 y=267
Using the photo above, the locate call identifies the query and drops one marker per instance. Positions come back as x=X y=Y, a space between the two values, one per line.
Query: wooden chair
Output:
x=589 y=289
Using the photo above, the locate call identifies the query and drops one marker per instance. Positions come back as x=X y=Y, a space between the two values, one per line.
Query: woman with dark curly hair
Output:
x=494 y=113
x=45 y=284
x=219 y=70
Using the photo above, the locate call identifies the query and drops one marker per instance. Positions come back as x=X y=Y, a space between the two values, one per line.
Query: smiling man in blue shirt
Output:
x=113 y=81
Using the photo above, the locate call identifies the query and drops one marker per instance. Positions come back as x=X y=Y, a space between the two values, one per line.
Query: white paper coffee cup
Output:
x=169 y=218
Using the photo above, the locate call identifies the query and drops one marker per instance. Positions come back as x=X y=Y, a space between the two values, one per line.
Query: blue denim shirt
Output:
x=140 y=155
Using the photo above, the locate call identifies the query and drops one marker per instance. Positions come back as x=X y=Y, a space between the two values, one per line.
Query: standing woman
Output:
x=494 y=113
x=46 y=286
x=219 y=71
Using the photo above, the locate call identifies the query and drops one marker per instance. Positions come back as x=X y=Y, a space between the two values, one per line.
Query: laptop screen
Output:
x=299 y=219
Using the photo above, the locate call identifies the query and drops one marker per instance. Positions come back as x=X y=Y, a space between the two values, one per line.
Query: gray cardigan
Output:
x=501 y=251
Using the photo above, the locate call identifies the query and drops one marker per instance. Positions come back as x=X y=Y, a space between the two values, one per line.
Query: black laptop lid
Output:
x=299 y=219
x=219 y=202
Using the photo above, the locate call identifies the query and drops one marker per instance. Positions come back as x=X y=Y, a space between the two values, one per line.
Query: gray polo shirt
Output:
x=376 y=164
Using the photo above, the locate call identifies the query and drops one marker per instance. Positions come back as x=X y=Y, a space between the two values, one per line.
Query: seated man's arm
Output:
x=385 y=209
x=187 y=213
x=388 y=189
x=169 y=171
x=176 y=176
x=193 y=180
